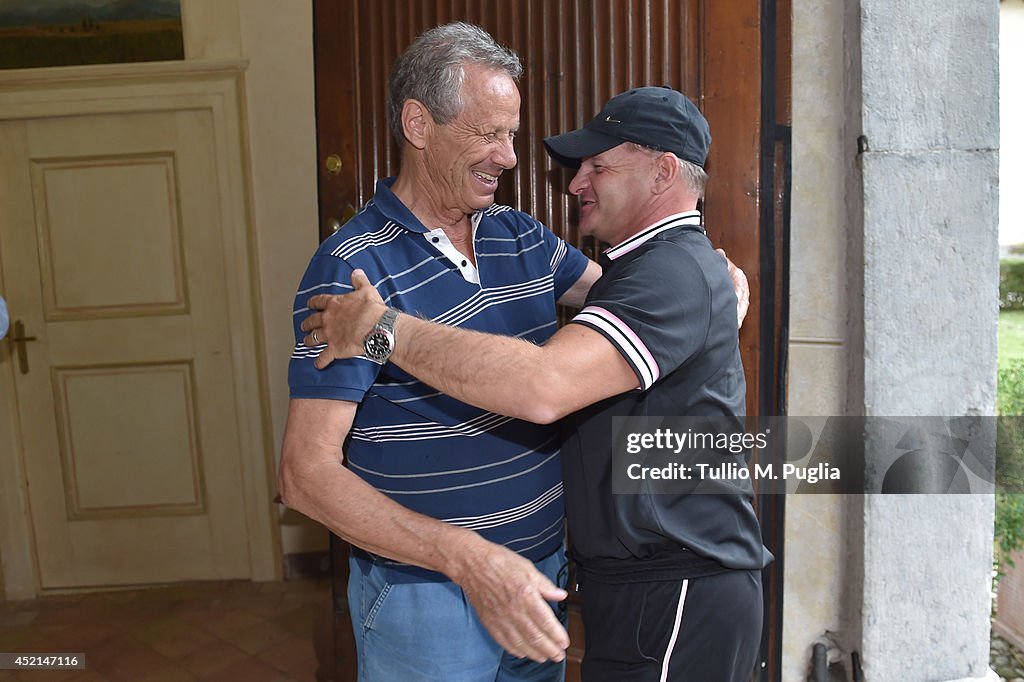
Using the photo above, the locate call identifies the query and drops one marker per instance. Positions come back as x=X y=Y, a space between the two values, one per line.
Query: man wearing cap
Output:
x=671 y=584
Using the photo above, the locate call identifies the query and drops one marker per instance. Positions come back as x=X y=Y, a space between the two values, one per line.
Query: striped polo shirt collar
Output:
x=392 y=208
x=687 y=219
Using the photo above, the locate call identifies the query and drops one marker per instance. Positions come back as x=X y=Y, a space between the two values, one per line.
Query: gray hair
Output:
x=693 y=175
x=431 y=70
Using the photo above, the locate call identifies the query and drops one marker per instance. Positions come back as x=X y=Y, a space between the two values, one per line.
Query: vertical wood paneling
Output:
x=731 y=93
x=576 y=54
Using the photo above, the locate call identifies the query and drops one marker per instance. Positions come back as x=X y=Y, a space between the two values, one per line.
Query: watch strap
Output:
x=387 y=320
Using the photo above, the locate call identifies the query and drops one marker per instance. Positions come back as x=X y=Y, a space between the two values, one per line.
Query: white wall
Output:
x=276 y=37
x=277 y=40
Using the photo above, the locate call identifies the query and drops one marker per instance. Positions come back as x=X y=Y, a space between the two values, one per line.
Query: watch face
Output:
x=378 y=345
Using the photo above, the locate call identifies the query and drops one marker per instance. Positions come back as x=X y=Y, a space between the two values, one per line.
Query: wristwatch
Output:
x=380 y=343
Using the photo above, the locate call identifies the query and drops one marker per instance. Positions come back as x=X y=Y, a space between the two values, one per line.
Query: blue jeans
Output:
x=415 y=629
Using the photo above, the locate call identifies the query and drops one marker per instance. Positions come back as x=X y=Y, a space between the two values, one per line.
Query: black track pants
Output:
x=700 y=630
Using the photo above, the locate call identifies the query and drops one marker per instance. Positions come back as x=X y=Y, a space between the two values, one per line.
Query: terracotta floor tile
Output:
x=76 y=613
x=196 y=615
x=294 y=657
x=259 y=604
x=133 y=666
x=14 y=619
x=88 y=676
x=193 y=592
x=250 y=670
x=169 y=674
x=310 y=595
x=281 y=588
x=182 y=643
x=24 y=640
x=159 y=628
x=124 y=659
x=226 y=623
x=209 y=659
x=78 y=637
x=258 y=637
x=111 y=648
x=299 y=621
x=229 y=630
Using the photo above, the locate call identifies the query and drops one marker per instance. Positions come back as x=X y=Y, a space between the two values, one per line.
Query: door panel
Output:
x=115 y=264
x=576 y=55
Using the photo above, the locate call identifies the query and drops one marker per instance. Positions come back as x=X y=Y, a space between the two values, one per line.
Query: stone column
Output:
x=924 y=254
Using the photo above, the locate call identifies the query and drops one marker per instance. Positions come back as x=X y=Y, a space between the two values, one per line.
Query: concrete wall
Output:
x=931 y=118
x=1011 y=114
x=819 y=348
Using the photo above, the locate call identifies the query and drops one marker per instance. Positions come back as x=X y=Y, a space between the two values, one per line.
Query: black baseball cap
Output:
x=657 y=117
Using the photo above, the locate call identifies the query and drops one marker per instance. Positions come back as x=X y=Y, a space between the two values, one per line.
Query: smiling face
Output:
x=466 y=156
x=614 y=188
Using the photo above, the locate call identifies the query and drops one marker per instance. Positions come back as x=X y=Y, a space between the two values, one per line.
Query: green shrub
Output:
x=1009 y=526
x=1011 y=284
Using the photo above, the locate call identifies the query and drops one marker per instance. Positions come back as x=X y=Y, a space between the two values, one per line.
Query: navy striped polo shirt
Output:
x=429 y=452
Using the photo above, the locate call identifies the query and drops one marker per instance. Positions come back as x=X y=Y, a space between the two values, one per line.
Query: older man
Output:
x=671 y=584
x=455 y=513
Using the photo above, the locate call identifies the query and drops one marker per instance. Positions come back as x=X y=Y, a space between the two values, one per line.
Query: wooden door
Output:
x=114 y=262
x=576 y=55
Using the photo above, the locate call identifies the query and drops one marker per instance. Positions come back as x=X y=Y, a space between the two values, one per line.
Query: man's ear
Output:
x=416 y=122
x=666 y=172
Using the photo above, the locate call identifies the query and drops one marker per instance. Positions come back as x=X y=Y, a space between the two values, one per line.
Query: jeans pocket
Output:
x=376 y=587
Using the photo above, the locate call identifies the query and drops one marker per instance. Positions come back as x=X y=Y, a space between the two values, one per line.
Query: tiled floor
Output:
x=253 y=632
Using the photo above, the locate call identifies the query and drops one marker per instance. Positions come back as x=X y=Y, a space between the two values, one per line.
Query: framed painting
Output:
x=37 y=33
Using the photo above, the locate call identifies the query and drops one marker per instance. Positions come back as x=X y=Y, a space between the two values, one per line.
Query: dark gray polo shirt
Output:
x=666 y=302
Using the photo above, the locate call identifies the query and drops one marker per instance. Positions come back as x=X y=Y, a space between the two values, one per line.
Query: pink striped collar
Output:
x=689 y=218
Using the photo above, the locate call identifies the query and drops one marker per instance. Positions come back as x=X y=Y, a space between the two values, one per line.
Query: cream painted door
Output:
x=114 y=260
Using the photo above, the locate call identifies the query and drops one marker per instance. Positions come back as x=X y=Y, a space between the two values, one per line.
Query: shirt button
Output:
x=464 y=263
x=436 y=239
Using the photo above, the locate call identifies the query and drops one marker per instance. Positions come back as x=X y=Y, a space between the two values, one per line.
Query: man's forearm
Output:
x=508 y=592
x=574 y=368
x=502 y=374
x=356 y=512
x=320 y=487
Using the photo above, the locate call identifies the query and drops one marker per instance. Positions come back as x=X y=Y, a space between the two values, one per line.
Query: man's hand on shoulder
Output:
x=739 y=283
x=342 y=321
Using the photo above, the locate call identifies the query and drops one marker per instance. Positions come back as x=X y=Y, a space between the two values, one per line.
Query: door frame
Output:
x=775 y=192
x=212 y=86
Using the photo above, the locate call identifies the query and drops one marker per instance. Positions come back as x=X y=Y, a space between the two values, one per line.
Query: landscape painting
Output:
x=36 y=33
